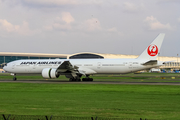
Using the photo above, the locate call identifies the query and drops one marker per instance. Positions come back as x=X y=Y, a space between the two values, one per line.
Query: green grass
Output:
x=103 y=100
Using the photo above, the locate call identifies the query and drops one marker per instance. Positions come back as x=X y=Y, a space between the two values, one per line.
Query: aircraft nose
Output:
x=5 y=68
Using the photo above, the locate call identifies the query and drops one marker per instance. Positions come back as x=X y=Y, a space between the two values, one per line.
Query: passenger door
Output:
x=99 y=65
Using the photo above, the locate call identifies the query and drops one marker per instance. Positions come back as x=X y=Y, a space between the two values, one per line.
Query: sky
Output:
x=100 y=26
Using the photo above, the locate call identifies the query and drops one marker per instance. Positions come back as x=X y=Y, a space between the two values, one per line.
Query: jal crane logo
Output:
x=152 y=50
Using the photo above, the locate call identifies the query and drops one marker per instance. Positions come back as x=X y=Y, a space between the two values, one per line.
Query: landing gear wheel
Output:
x=87 y=79
x=91 y=79
x=78 y=79
x=14 y=78
x=73 y=79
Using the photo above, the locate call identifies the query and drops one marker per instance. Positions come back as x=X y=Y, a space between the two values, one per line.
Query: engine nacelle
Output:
x=49 y=73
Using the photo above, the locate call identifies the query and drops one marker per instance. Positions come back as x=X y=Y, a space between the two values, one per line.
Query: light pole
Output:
x=177 y=60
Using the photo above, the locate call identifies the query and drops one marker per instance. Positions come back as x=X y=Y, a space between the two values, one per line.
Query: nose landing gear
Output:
x=14 y=76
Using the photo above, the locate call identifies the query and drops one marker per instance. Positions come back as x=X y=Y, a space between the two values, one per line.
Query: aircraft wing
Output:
x=66 y=66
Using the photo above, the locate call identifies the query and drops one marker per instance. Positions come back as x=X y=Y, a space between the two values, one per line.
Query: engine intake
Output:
x=49 y=73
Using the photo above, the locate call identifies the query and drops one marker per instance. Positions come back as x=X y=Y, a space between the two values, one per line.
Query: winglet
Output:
x=152 y=51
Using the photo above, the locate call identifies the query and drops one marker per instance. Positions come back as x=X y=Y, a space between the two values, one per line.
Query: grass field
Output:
x=123 y=101
x=88 y=100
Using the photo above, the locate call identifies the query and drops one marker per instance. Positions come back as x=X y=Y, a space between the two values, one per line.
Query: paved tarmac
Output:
x=94 y=82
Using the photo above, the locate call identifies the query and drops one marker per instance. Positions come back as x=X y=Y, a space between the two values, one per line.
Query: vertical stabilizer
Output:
x=151 y=52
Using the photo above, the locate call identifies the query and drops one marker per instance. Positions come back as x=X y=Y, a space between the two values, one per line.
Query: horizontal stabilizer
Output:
x=151 y=62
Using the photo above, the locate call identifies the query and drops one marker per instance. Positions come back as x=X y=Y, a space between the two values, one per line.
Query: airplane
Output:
x=74 y=69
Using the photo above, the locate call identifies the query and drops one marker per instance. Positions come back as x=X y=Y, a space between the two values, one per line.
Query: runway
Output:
x=89 y=82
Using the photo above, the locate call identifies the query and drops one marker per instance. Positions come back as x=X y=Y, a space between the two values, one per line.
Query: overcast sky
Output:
x=101 y=26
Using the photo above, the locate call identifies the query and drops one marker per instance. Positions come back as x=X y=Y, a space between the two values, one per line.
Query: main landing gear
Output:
x=74 y=79
x=78 y=78
x=87 y=78
x=84 y=79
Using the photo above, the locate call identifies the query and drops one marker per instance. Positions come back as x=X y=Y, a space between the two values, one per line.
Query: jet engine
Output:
x=49 y=73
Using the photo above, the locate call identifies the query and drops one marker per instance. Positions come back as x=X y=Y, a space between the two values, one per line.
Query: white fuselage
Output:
x=99 y=66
